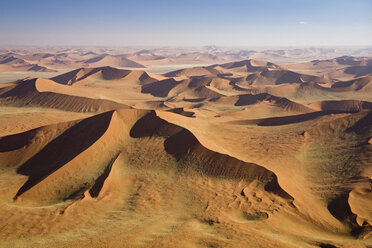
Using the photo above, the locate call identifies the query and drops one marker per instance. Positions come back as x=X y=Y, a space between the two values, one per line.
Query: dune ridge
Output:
x=27 y=93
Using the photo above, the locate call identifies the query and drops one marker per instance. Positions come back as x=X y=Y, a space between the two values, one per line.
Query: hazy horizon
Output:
x=206 y=46
x=237 y=23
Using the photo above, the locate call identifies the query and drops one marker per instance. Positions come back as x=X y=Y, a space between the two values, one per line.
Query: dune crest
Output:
x=46 y=93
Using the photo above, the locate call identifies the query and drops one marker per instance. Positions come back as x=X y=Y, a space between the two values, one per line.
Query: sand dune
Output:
x=277 y=76
x=249 y=72
x=249 y=65
x=359 y=84
x=350 y=72
x=285 y=120
x=308 y=92
x=195 y=72
x=195 y=88
x=224 y=69
x=11 y=63
x=199 y=93
x=284 y=103
x=147 y=57
x=340 y=68
x=53 y=179
x=49 y=178
x=317 y=124
x=161 y=88
x=249 y=99
x=39 y=92
x=343 y=105
x=335 y=63
x=37 y=56
x=68 y=59
x=86 y=75
x=11 y=60
x=113 y=60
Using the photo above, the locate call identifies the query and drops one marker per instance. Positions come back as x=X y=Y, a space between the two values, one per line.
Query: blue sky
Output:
x=186 y=23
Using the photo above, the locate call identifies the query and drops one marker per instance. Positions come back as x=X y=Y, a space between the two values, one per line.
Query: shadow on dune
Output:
x=151 y=125
x=285 y=120
x=97 y=186
x=324 y=245
x=161 y=88
x=182 y=112
x=16 y=141
x=193 y=100
x=363 y=125
x=277 y=121
x=188 y=151
x=73 y=142
x=340 y=208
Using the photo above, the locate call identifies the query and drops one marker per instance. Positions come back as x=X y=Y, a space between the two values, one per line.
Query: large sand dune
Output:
x=45 y=93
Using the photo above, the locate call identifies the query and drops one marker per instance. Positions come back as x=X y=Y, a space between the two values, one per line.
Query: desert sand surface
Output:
x=233 y=152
